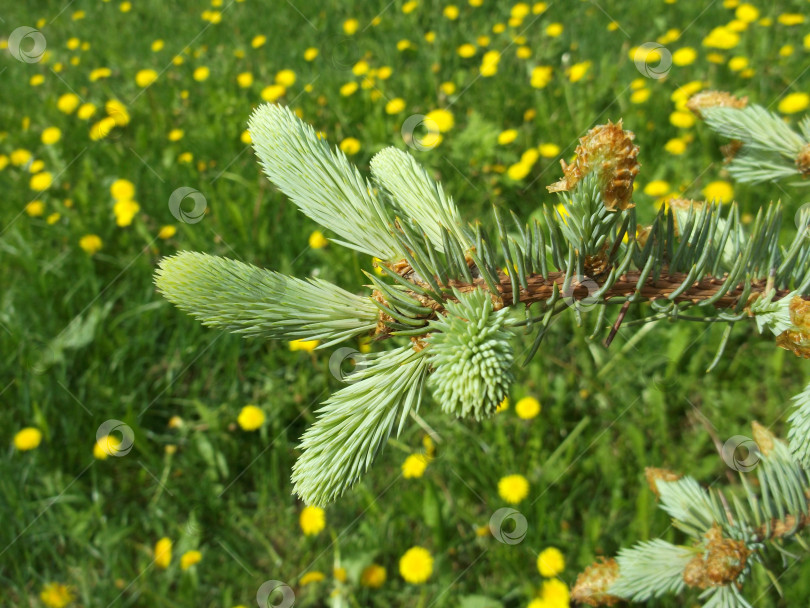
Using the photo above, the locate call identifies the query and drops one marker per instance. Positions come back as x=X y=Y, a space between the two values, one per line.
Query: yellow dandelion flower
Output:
x=451 y=12
x=118 y=112
x=719 y=190
x=244 y=80
x=190 y=558
x=250 y=418
x=448 y=88
x=555 y=593
x=350 y=146
x=144 y=78
x=41 y=181
x=317 y=240
x=163 y=553
x=518 y=171
x=56 y=595
x=312 y=520
x=157 y=45
x=125 y=212
x=258 y=41
x=684 y=56
x=416 y=565
x=285 y=78
x=577 y=71
x=675 y=146
x=527 y=408
x=640 y=96
x=794 y=102
x=502 y=406
x=747 y=13
x=373 y=576
x=790 y=18
x=53 y=218
x=550 y=562
x=350 y=26
x=682 y=118
x=466 y=50
x=28 y=438
x=414 y=466
x=167 y=232
x=90 y=243
x=201 y=73
x=304 y=345
x=554 y=29
x=507 y=137
x=122 y=189
x=722 y=37
x=68 y=103
x=308 y=578
x=35 y=208
x=443 y=119
x=273 y=92
x=513 y=488
x=86 y=111
x=395 y=106
x=657 y=187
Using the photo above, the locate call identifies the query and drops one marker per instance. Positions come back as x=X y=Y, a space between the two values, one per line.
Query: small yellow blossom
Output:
x=794 y=102
x=122 y=190
x=68 y=103
x=315 y=576
x=317 y=240
x=350 y=146
x=507 y=137
x=395 y=106
x=250 y=418
x=373 y=576
x=273 y=92
x=527 y=408
x=577 y=71
x=350 y=26
x=86 y=111
x=258 y=41
x=513 y=488
x=285 y=78
x=190 y=558
x=28 y=438
x=90 y=243
x=56 y=595
x=416 y=565
x=719 y=190
x=163 y=553
x=145 y=77
x=35 y=208
x=550 y=562
x=414 y=466
x=41 y=181
x=656 y=188
x=310 y=54
x=451 y=12
x=312 y=520
x=305 y=345
x=684 y=56
x=443 y=119
x=554 y=29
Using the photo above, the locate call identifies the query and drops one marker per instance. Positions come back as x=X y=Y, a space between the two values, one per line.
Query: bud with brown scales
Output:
x=797 y=340
x=714 y=99
x=654 y=474
x=591 y=587
x=608 y=150
x=803 y=161
x=719 y=564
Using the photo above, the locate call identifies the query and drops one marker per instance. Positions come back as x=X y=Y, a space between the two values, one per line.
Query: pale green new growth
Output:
x=254 y=302
x=799 y=432
x=688 y=504
x=769 y=146
x=772 y=314
x=321 y=181
x=472 y=356
x=355 y=422
x=651 y=569
x=418 y=195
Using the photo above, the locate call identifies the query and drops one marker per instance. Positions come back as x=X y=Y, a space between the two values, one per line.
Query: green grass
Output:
x=129 y=355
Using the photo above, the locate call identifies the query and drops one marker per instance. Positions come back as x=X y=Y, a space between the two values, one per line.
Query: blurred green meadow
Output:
x=127 y=102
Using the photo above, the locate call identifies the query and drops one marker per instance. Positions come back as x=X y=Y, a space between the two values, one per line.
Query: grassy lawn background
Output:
x=85 y=338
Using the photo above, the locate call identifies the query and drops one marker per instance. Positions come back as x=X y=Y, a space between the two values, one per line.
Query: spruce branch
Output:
x=451 y=293
x=254 y=302
x=765 y=148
